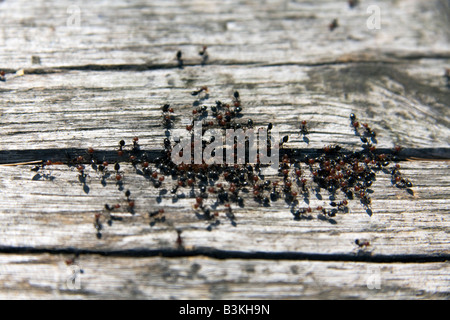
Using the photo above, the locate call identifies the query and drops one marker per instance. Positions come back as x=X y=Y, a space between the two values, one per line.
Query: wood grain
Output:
x=79 y=109
x=60 y=211
x=245 y=32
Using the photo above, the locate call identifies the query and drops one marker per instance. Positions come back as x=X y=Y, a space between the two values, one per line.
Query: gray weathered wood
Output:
x=48 y=277
x=69 y=87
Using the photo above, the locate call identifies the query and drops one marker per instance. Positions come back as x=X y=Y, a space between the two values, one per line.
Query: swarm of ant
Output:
x=220 y=187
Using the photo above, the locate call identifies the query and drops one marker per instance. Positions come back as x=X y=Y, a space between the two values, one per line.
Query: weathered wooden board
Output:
x=49 y=277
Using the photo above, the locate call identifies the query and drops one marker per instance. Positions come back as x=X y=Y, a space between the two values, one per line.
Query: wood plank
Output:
x=105 y=80
x=48 y=277
x=58 y=213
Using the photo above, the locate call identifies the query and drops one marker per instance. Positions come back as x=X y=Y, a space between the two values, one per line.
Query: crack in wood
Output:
x=227 y=254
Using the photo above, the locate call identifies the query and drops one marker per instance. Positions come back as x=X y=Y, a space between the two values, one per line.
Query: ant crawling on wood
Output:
x=332 y=169
x=180 y=59
x=157 y=216
x=353 y=3
x=333 y=25
x=304 y=128
x=179 y=241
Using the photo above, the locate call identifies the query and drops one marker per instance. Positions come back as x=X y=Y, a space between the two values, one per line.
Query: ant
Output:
x=204 y=55
x=353 y=3
x=179 y=241
x=121 y=145
x=301 y=213
x=369 y=132
x=71 y=261
x=97 y=224
x=157 y=216
x=365 y=199
x=197 y=92
x=403 y=183
x=333 y=25
x=136 y=146
x=167 y=121
x=237 y=102
x=340 y=205
x=284 y=140
x=167 y=108
x=447 y=76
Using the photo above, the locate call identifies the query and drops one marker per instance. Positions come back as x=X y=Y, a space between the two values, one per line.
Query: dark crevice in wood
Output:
x=62 y=155
x=223 y=254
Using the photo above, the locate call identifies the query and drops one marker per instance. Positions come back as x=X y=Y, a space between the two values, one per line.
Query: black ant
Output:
x=353 y=3
x=354 y=123
x=167 y=116
x=167 y=144
x=340 y=205
x=230 y=213
x=237 y=102
x=284 y=140
x=304 y=128
x=447 y=76
x=369 y=132
x=167 y=108
x=404 y=183
x=136 y=146
x=179 y=241
x=97 y=224
x=362 y=243
x=301 y=213
x=167 y=121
